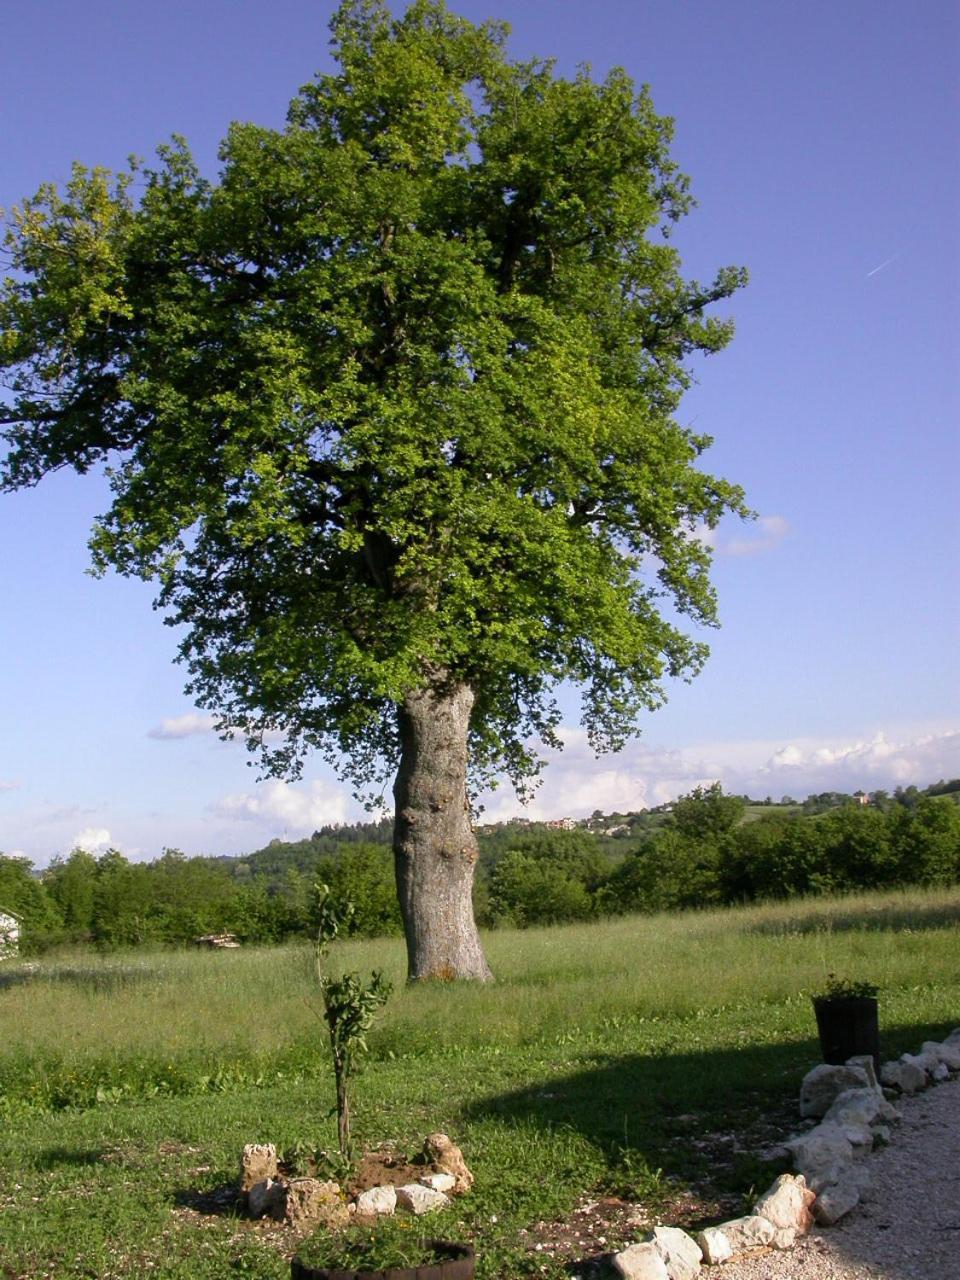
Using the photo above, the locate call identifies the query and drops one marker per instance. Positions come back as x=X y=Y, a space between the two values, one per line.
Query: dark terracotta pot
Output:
x=848 y=1026
x=458 y=1262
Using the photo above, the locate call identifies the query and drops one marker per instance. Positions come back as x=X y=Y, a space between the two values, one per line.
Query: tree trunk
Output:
x=435 y=849
x=343 y=1108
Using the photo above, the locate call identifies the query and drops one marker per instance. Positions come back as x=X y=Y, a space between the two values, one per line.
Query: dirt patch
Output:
x=384 y=1166
x=203 y=1205
x=598 y=1227
x=176 y=1149
x=580 y=1241
x=212 y=1211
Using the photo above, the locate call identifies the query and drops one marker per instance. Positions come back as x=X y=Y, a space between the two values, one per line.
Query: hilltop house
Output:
x=9 y=933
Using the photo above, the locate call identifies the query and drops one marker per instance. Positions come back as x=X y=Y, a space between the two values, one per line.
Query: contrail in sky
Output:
x=882 y=265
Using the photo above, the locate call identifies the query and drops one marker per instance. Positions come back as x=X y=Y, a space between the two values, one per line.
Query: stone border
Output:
x=300 y=1202
x=854 y=1110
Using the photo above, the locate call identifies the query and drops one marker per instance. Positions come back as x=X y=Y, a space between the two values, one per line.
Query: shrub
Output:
x=669 y=872
x=526 y=890
x=363 y=876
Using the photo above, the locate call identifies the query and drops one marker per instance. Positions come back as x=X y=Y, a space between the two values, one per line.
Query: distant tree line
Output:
x=709 y=849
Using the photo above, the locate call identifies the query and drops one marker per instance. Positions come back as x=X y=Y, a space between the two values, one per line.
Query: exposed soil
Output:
x=197 y=1207
x=385 y=1166
x=599 y=1227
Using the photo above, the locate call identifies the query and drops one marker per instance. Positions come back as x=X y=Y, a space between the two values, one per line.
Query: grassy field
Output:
x=754 y=812
x=609 y=1058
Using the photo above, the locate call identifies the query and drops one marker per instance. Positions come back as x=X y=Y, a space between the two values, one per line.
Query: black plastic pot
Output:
x=456 y=1262
x=848 y=1026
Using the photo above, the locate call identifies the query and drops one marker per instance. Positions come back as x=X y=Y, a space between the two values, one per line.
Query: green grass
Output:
x=754 y=812
x=130 y=1084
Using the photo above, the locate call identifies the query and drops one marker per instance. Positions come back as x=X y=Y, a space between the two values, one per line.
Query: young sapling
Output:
x=349 y=1005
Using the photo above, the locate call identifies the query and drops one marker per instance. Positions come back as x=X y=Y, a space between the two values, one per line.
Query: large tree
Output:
x=388 y=412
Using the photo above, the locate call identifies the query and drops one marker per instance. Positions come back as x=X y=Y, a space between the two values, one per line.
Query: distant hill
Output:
x=705 y=848
x=631 y=828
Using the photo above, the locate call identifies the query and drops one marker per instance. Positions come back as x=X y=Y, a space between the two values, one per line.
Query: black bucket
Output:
x=848 y=1026
x=454 y=1261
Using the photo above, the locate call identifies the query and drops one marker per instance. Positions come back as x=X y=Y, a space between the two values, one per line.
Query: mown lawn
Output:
x=130 y=1084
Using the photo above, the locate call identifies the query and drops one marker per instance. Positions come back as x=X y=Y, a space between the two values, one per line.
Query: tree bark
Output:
x=343 y=1108
x=435 y=849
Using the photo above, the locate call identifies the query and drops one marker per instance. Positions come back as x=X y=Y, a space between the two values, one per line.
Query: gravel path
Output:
x=908 y=1226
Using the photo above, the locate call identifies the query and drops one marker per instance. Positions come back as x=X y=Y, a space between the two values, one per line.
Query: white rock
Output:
x=866 y=1063
x=824 y=1083
x=787 y=1206
x=913 y=1078
x=855 y=1106
x=258 y=1162
x=826 y=1175
x=888 y=1112
x=941 y=1071
x=640 y=1262
x=438 y=1181
x=953 y=1037
x=419 y=1200
x=840 y=1183
x=714 y=1245
x=377 y=1200
x=835 y=1201
x=680 y=1253
x=905 y=1076
x=925 y=1061
x=823 y=1147
x=890 y=1075
x=750 y=1232
x=308 y=1200
x=265 y=1197
x=446 y=1157
x=948 y=1054
x=860 y=1137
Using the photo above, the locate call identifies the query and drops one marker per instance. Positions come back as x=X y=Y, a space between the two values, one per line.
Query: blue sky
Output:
x=821 y=143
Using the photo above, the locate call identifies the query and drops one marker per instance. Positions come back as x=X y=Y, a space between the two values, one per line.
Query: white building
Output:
x=9 y=934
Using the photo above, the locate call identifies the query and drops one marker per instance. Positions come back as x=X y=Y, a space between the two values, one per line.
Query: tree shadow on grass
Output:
x=710 y=1123
x=16 y=978
x=101 y=980
x=673 y=1112
x=869 y=919
x=106 y=980
x=222 y=1201
x=58 y=1157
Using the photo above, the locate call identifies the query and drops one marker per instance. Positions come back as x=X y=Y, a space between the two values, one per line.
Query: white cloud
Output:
x=186 y=726
x=92 y=840
x=195 y=725
x=641 y=776
x=785 y=758
x=766 y=534
x=574 y=783
x=9 y=786
x=771 y=530
x=288 y=808
x=867 y=764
